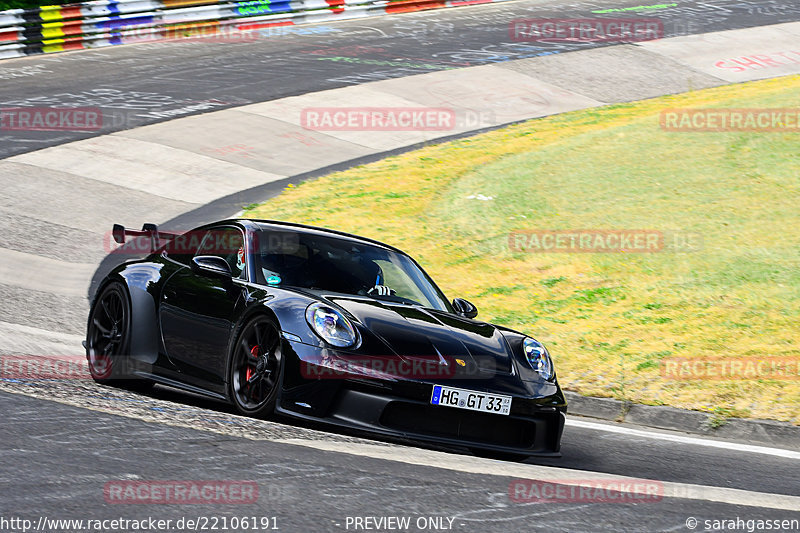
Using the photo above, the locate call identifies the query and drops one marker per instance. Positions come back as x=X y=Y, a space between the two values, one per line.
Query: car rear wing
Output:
x=150 y=231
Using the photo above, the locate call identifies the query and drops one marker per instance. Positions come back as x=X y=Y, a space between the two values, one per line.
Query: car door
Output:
x=198 y=309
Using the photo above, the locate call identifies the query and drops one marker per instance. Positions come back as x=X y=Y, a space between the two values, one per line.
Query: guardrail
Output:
x=106 y=23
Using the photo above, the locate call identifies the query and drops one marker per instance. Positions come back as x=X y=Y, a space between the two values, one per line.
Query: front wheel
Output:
x=254 y=368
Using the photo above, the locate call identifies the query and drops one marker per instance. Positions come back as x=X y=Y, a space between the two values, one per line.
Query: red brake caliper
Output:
x=249 y=372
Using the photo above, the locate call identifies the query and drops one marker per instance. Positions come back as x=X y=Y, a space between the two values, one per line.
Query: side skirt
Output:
x=161 y=380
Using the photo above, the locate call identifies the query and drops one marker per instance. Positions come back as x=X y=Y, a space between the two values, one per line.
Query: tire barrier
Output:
x=100 y=23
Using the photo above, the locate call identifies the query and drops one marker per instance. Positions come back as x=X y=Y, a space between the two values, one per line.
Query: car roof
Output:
x=277 y=225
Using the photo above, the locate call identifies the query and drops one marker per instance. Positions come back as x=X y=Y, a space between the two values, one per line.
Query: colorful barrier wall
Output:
x=106 y=23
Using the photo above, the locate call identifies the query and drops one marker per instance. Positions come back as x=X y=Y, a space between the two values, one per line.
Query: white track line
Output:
x=694 y=441
x=46 y=274
x=477 y=465
x=17 y=338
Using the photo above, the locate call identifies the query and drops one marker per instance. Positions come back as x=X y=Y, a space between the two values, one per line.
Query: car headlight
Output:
x=331 y=325
x=538 y=358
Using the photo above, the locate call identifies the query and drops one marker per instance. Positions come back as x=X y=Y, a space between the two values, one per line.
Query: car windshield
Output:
x=320 y=262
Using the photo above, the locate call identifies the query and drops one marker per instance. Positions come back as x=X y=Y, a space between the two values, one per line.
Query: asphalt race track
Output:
x=63 y=442
x=141 y=84
x=313 y=488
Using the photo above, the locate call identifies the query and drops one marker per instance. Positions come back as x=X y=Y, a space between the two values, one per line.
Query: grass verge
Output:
x=610 y=319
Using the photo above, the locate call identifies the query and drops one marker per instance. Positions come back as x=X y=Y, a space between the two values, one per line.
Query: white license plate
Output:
x=474 y=401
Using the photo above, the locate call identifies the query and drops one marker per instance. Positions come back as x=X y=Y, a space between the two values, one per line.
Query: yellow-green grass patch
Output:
x=609 y=319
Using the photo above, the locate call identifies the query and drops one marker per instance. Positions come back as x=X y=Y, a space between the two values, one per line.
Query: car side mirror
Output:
x=465 y=308
x=211 y=265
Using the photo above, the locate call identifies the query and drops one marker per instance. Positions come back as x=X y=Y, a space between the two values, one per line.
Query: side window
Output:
x=227 y=243
x=282 y=258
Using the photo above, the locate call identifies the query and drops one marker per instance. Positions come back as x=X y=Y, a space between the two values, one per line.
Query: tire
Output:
x=108 y=339
x=254 y=367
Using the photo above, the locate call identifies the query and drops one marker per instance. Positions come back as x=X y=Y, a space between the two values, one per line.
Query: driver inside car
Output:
x=326 y=270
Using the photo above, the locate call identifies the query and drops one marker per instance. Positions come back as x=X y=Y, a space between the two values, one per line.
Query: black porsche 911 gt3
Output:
x=324 y=326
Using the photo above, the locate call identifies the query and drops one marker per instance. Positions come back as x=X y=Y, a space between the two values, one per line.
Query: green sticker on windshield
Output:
x=273 y=280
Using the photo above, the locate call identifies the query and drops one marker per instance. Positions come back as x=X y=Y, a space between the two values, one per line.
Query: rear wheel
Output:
x=108 y=339
x=254 y=368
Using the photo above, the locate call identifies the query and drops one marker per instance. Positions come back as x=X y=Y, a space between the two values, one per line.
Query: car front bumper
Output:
x=402 y=408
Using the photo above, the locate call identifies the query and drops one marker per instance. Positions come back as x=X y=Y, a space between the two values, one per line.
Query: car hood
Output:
x=411 y=331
